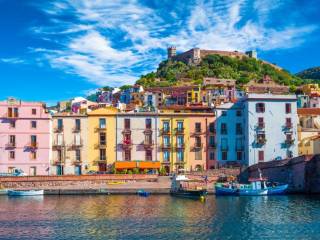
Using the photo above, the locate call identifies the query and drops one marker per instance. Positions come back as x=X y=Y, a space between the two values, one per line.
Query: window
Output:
x=59 y=153
x=239 y=113
x=180 y=141
x=127 y=123
x=148 y=139
x=261 y=156
x=180 y=126
x=103 y=156
x=198 y=127
x=288 y=107
x=260 y=108
x=12 y=124
x=239 y=156
x=288 y=123
x=33 y=171
x=12 y=140
x=33 y=155
x=78 y=155
x=211 y=141
x=238 y=129
x=102 y=123
x=260 y=122
x=33 y=140
x=198 y=155
x=148 y=155
x=166 y=141
x=16 y=112
x=77 y=139
x=211 y=155
x=166 y=126
x=33 y=124
x=224 y=155
x=224 y=144
x=77 y=124
x=12 y=155
x=180 y=155
x=60 y=124
x=211 y=128
x=34 y=111
x=102 y=138
x=148 y=123
x=166 y=156
x=224 y=128
x=127 y=155
x=224 y=113
x=239 y=144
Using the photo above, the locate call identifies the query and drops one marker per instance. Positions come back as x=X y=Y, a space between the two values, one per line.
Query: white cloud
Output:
x=12 y=60
x=113 y=42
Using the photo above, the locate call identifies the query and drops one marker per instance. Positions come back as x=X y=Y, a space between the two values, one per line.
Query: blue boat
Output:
x=143 y=193
x=20 y=193
x=256 y=187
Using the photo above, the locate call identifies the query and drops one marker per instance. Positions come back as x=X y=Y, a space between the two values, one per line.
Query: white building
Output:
x=270 y=127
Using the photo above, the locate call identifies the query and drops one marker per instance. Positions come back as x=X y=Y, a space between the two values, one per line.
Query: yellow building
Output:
x=309 y=131
x=102 y=139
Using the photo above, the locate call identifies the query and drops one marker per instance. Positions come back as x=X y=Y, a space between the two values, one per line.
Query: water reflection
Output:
x=159 y=217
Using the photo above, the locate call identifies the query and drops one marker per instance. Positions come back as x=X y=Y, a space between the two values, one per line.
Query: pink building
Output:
x=24 y=137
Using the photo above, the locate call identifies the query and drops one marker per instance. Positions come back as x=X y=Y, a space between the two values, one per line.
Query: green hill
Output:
x=243 y=70
x=310 y=73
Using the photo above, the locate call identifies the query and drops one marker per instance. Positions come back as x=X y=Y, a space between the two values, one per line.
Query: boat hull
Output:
x=25 y=193
x=190 y=194
x=223 y=191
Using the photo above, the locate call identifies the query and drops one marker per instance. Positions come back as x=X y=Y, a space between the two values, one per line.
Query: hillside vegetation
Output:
x=243 y=70
x=310 y=73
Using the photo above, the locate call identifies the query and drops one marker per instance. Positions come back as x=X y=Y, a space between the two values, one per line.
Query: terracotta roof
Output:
x=308 y=111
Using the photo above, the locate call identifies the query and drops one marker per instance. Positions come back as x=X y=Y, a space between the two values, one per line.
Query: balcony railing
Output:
x=179 y=131
x=212 y=130
x=58 y=162
x=166 y=146
x=261 y=140
x=76 y=129
x=101 y=145
x=101 y=160
x=224 y=148
x=101 y=128
x=32 y=145
x=198 y=145
x=165 y=131
x=148 y=158
x=126 y=143
x=148 y=144
x=126 y=131
x=148 y=131
x=289 y=141
x=12 y=116
x=212 y=145
x=76 y=145
x=11 y=145
x=58 y=130
x=180 y=145
x=58 y=145
x=288 y=125
x=77 y=162
x=260 y=125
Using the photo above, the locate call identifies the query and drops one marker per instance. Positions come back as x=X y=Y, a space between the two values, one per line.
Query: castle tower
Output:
x=252 y=54
x=172 y=52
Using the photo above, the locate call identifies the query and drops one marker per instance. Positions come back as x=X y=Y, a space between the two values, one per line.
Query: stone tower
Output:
x=252 y=54
x=172 y=52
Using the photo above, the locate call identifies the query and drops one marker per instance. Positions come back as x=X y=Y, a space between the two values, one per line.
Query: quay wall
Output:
x=301 y=173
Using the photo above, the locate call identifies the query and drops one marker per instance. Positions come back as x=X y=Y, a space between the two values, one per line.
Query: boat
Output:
x=181 y=186
x=25 y=192
x=143 y=193
x=256 y=187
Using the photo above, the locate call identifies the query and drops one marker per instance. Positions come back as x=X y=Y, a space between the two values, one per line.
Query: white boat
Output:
x=25 y=192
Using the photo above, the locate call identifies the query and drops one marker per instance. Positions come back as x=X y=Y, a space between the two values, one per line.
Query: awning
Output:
x=125 y=165
x=149 y=165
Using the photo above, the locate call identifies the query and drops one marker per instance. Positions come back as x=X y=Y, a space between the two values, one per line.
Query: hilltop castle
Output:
x=194 y=55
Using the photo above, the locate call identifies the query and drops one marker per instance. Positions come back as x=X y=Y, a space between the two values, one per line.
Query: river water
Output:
x=159 y=217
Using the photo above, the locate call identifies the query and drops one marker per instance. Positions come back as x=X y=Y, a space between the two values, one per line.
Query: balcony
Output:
x=224 y=148
x=11 y=145
x=148 y=158
x=76 y=145
x=179 y=131
x=100 y=160
x=147 y=131
x=289 y=141
x=126 y=143
x=76 y=130
x=32 y=145
x=288 y=125
x=101 y=129
x=166 y=146
x=198 y=146
x=260 y=125
x=148 y=144
x=58 y=162
x=11 y=115
x=126 y=131
x=180 y=146
x=212 y=130
x=77 y=162
x=165 y=131
x=197 y=132
x=58 y=145
x=101 y=145
x=212 y=145
x=58 y=130
x=261 y=140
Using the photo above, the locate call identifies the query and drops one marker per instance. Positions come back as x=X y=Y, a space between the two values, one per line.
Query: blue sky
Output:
x=54 y=50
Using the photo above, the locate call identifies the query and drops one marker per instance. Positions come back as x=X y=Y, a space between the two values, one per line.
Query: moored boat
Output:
x=182 y=186
x=25 y=192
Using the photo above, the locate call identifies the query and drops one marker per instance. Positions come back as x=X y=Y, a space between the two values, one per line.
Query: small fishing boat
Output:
x=182 y=186
x=25 y=192
x=256 y=187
